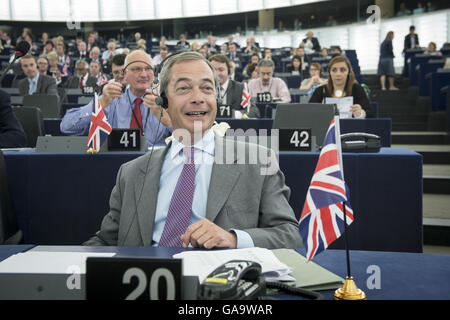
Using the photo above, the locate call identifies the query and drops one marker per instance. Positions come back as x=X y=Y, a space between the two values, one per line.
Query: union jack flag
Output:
x=245 y=103
x=322 y=218
x=99 y=128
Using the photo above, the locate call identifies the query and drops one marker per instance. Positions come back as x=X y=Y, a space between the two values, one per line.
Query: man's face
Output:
x=60 y=50
x=191 y=94
x=163 y=53
x=117 y=72
x=232 y=48
x=222 y=70
x=29 y=67
x=95 y=53
x=83 y=46
x=265 y=73
x=80 y=69
x=42 y=66
x=139 y=72
x=94 y=69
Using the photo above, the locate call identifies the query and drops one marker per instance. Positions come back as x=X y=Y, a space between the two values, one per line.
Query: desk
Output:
x=402 y=275
x=62 y=198
x=381 y=127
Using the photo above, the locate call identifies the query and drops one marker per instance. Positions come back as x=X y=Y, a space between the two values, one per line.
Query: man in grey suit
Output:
x=232 y=204
x=35 y=83
x=230 y=91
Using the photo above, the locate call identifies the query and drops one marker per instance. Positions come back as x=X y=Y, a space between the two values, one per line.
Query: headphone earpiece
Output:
x=162 y=101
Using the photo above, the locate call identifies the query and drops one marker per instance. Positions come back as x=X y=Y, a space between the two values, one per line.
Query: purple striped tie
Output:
x=181 y=204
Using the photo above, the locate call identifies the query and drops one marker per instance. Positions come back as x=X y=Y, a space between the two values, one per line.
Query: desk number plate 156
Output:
x=133 y=279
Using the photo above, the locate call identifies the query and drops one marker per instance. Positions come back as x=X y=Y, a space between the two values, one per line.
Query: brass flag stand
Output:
x=349 y=290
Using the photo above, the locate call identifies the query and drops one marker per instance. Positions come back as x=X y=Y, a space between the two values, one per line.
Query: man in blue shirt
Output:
x=133 y=108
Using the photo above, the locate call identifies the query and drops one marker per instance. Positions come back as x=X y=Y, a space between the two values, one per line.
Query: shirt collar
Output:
x=132 y=96
x=205 y=144
x=35 y=79
x=225 y=85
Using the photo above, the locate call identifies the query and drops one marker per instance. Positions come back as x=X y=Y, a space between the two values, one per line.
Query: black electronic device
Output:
x=236 y=279
x=360 y=142
x=243 y=280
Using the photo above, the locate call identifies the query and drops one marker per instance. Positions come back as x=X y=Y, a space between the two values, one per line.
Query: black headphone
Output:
x=162 y=100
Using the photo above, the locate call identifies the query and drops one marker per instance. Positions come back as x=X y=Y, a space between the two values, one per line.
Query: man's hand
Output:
x=110 y=91
x=206 y=234
x=149 y=102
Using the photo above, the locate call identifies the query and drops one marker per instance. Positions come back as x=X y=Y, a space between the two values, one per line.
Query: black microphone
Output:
x=22 y=49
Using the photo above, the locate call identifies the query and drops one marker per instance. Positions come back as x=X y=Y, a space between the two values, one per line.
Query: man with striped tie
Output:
x=186 y=194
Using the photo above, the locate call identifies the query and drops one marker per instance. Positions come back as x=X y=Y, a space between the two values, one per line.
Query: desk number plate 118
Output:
x=295 y=139
x=124 y=140
x=133 y=279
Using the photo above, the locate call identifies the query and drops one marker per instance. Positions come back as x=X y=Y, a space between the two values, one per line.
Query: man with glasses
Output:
x=267 y=83
x=133 y=107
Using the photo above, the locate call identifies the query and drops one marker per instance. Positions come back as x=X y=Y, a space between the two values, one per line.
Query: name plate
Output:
x=88 y=90
x=295 y=139
x=124 y=140
x=133 y=279
x=263 y=97
x=225 y=111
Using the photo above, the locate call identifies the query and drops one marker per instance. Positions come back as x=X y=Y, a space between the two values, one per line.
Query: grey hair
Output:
x=165 y=74
x=266 y=63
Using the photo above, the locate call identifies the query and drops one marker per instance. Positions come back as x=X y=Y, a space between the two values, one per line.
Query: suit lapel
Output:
x=148 y=183
x=223 y=178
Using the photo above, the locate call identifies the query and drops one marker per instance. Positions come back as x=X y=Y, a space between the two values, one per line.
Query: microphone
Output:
x=22 y=49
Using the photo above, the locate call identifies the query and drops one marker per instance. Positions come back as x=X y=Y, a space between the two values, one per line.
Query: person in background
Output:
x=432 y=50
x=230 y=91
x=133 y=108
x=252 y=69
x=268 y=83
x=315 y=80
x=11 y=131
x=183 y=44
x=411 y=40
x=35 y=83
x=342 y=83
x=310 y=43
x=81 y=79
x=324 y=53
x=306 y=61
x=254 y=59
x=163 y=53
x=43 y=66
x=403 y=10
x=54 y=69
x=386 y=62
x=296 y=66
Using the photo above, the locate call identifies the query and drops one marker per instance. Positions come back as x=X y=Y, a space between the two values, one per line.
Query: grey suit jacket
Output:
x=45 y=85
x=241 y=196
x=234 y=98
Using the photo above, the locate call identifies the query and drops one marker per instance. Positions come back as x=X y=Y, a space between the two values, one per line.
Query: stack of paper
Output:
x=202 y=263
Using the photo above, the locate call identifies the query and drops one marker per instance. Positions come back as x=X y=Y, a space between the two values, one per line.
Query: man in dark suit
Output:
x=82 y=79
x=183 y=44
x=11 y=131
x=230 y=91
x=35 y=83
x=411 y=39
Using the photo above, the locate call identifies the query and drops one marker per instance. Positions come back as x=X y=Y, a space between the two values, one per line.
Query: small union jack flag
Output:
x=99 y=128
x=245 y=103
x=322 y=218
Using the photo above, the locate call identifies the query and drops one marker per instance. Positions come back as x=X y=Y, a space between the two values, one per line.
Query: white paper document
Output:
x=49 y=262
x=202 y=263
x=344 y=104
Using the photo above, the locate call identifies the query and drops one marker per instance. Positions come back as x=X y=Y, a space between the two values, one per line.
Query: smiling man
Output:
x=133 y=108
x=182 y=195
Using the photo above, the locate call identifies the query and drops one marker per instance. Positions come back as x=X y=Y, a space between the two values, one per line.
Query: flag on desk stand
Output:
x=327 y=212
x=99 y=128
x=245 y=103
x=322 y=218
